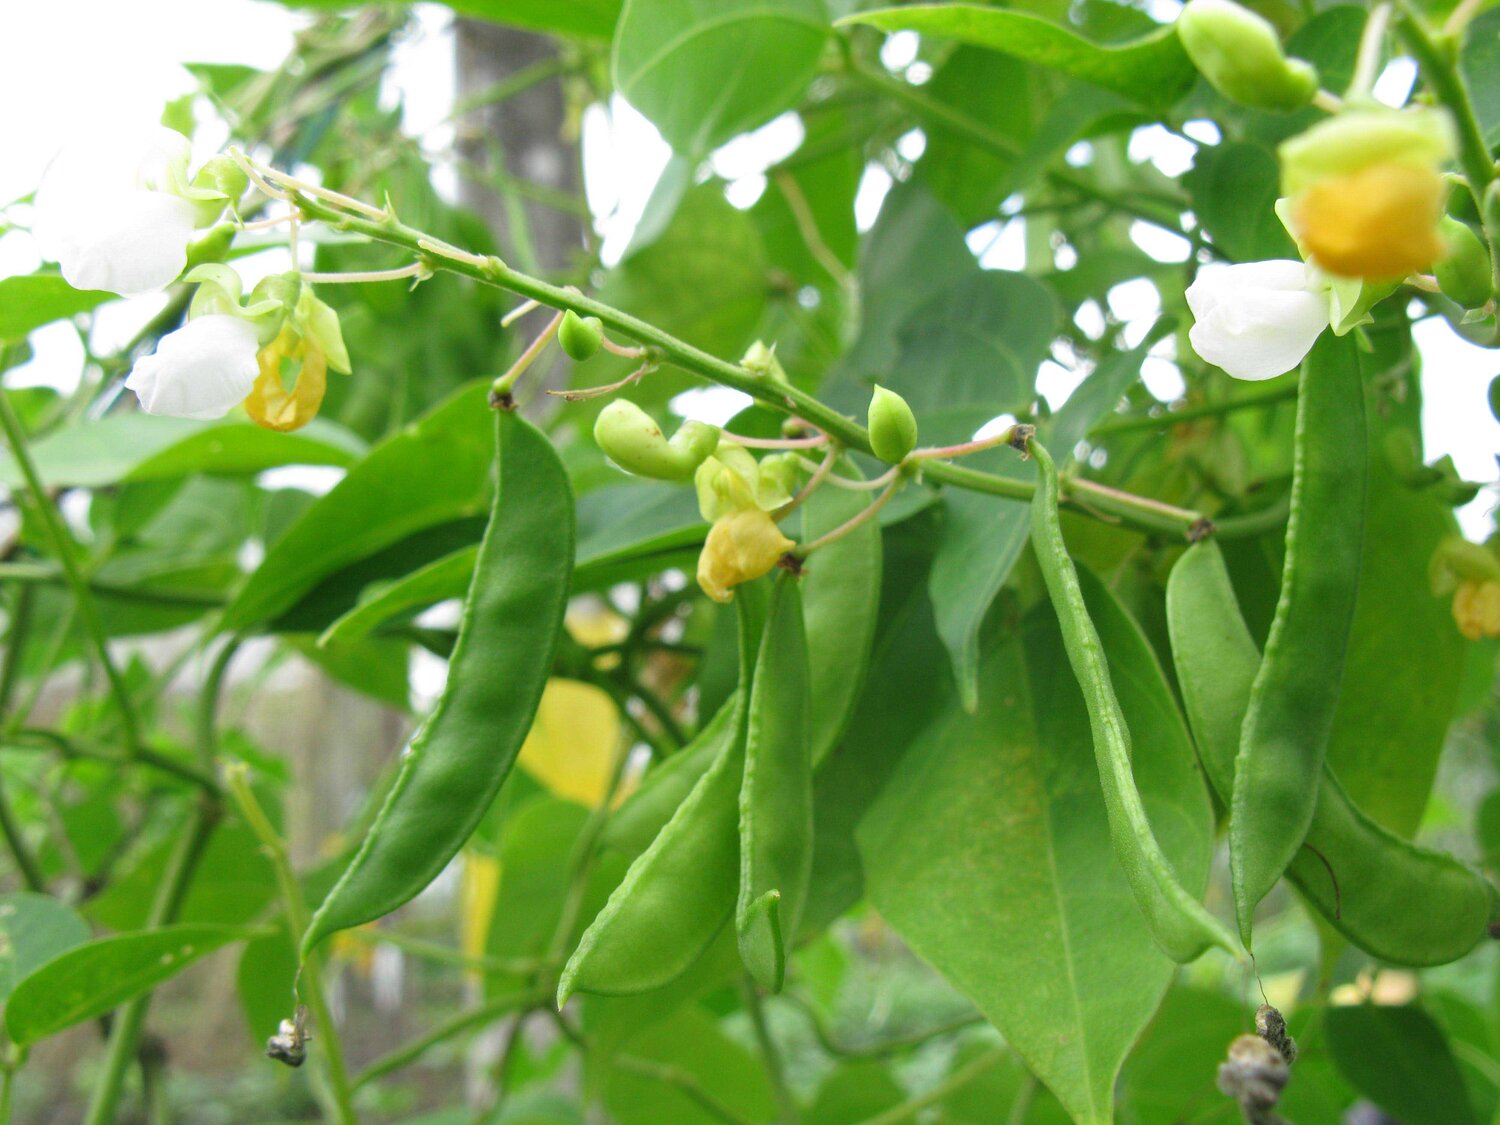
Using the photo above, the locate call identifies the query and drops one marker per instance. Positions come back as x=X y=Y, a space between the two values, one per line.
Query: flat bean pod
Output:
x=1178 y=922
x=457 y=762
x=776 y=796
x=840 y=603
x=636 y=823
x=680 y=891
x=1401 y=903
x=1285 y=735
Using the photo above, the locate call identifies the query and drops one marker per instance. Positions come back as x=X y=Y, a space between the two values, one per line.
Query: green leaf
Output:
x=233 y=882
x=32 y=300
x=266 y=981
x=1233 y=187
x=592 y=19
x=1152 y=70
x=704 y=280
x=854 y=1092
x=840 y=600
x=706 y=70
x=391 y=494
x=981 y=539
x=34 y=928
x=1400 y=1059
x=691 y=1044
x=1480 y=64
x=91 y=979
x=978 y=847
x=124 y=448
x=1170 y=1074
x=447 y=577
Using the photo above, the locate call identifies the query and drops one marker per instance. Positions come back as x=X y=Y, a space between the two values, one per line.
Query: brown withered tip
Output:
x=1020 y=438
x=1494 y=929
x=790 y=563
x=502 y=400
x=1200 y=529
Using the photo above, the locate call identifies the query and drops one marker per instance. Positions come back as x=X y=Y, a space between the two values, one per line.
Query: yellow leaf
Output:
x=479 y=887
x=573 y=741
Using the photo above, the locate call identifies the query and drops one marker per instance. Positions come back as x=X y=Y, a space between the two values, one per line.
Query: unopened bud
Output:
x=580 y=336
x=893 y=427
x=631 y=439
x=1239 y=54
x=740 y=547
x=1464 y=275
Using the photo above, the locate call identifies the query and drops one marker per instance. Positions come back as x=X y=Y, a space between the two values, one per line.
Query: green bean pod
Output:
x=1296 y=691
x=636 y=823
x=680 y=891
x=457 y=762
x=776 y=796
x=1401 y=903
x=1178 y=922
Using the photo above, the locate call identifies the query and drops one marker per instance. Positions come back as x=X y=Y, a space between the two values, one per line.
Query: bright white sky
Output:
x=75 y=65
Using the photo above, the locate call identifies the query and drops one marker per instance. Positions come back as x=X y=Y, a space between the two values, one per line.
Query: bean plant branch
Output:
x=125 y=1032
x=67 y=554
x=1438 y=60
x=1132 y=511
x=294 y=906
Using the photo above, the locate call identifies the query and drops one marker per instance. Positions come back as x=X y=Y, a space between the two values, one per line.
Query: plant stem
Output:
x=183 y=862
x=62 y=543
x=237 y=781
x=125 y=1032
x=864 y=515
x=955 y=1081
x=445 y=955
x=885 y=1048
x=1439 y=67
x=38 y=574
x=485 y=1013
x=686 y=1083
x=786 y=1105
x=1250 y=401
x=74 y=748
x=15 y=843
x=506 y=383
x=1135 y=512
x=15 y=646
x=1367 y=61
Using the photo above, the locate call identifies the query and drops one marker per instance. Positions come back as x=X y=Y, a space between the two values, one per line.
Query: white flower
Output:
x=202 y=370
x=1257 y=320
x=109 y=214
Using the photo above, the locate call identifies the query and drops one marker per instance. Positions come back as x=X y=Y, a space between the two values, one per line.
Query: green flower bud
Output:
x=1464 y=274
x=219 y=292
x=580 y=336
x=1358 y=139
x=1239 y=54
x=319 y=323
x=893 y=427
x=778 y=476
x=219 y=182
x=632 y=439
x=761 y=359
x=1456 y=561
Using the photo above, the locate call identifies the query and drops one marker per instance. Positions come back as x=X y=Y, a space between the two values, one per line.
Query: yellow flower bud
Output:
x=1380 y=222
x=740 y=547
x=1476 y=609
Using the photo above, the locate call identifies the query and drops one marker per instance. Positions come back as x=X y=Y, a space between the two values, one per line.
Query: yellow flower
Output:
x=1476 y=609
x=271 y=403
x=1380 y=222
x=1364 y=191
x=741 y=546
